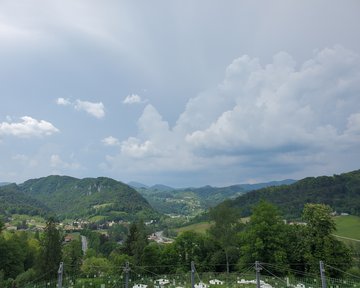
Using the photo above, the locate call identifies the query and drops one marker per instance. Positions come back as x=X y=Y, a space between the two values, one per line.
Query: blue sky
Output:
x=184 y=93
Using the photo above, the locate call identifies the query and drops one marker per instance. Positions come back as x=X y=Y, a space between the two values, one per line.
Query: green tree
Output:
x=25 y=277
x=118 y=260
x=72 y=257
x=320 y=243
x=95 y=266
x=225 y=228
x=117 y=232
x=136 y=241
x=50 y=250
x=296 y=247
x=13 y=254
x=169 y=258
x=264 y=238
x=190 y=246
x=152 y=257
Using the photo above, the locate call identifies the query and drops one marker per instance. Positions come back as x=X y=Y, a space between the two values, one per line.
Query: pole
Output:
x=192 y=274
x=257 y=269
x=227 y=262
x=126 y=270
x=60 y=274
x=322 y=274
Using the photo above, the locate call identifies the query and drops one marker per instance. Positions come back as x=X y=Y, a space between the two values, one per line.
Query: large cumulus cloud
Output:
x=281 y=114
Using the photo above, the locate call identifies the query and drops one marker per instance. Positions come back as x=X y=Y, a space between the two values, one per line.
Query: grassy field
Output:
x=198 y=227
x=348 y=226
x=201 y=227
x=31 y=220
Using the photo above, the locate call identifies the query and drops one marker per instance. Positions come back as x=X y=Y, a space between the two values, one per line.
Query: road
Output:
x=352 y=239
x=84 y=244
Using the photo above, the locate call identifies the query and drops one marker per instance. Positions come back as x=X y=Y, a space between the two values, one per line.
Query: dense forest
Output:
x=340 y=192
x=68 y=197
x=14 y=201
x=192 y=201
x=228 y=246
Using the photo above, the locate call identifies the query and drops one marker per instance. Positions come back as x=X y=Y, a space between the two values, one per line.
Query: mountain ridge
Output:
x=191 y=200
x=341 y=192
x=14 y=201
x=68 y=196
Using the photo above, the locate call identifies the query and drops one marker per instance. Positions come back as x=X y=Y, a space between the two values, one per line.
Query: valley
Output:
x=104 y=223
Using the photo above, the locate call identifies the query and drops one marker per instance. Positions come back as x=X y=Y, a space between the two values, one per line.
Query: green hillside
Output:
x=341 y=192
x=194 y=201
x=348 y=226
x=200 y=227
x=14 y=201
x=89 y=197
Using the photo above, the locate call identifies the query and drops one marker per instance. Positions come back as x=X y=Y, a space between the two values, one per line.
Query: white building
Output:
x=201 y=285
x=216 y=282
x=162 y=282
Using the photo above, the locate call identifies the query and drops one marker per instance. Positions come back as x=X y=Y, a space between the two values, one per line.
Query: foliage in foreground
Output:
x=228 y=246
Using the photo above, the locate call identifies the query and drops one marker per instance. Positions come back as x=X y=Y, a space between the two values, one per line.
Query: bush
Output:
x=25 y=277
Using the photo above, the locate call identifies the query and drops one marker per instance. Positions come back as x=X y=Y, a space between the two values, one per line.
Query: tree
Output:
x=13 y=254
x=264 y=238
x=319 y=220
x=296 y=247
x=320 y=243
x=152 y=257
x=118 y=260
x=50 y=252
x=136 y=241
x=189 y=246
x=225 y=228
x=95 y=266
x=117 y=232
x=72 y=257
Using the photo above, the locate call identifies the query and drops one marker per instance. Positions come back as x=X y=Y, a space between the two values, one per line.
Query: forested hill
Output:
x=341 y=192
x=214 y=195
x=193 y=201
x=14 y=201
x=72 y=197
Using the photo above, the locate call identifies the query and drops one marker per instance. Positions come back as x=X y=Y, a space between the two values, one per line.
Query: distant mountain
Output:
x=161 y=188
x=72 y=197
x=14 y=201
x=341 y=192
x=136 y=185
x=214 y=195
x=192 y=201
x=4 y=183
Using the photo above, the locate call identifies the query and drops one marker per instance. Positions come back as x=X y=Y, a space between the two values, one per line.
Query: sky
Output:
x=182 y=93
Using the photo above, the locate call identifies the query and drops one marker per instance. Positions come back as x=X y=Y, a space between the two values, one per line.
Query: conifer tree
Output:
x=50 y=255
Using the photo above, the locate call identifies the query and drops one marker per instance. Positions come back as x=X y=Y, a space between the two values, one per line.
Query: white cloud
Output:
x=134 y=148
x=151 y=126
x=95 y=109
x=29 y=127
x=133 y=99
x=279 y=106
x=110 y=141
x=285 y=112
x=63 y=101
x=58 y=163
